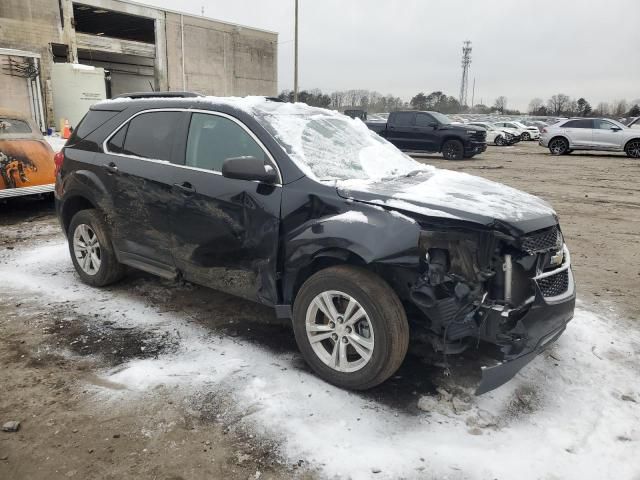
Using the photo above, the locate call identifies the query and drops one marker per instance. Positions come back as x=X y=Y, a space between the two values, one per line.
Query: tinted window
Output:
x=213 y=139
x=424 y=120
x=578 y=124
x=92 y=120
x=150 y=135
x=604 y=125
x=403 y=119
x=11 y=125
x=116 y=144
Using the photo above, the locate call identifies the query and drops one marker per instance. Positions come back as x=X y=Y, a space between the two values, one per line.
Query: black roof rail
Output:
x=159 y=95
x=274 y=99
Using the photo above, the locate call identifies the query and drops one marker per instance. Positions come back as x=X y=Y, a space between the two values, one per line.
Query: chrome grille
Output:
x=542 y=241
x=554 y=285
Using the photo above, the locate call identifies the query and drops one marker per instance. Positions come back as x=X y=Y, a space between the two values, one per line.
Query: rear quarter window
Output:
x=91 y=121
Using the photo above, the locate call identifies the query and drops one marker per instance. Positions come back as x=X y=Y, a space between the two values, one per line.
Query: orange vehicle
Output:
x=26 y=159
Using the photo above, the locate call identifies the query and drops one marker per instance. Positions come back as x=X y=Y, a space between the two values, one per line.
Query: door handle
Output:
x=111 y=168
x=185 y=187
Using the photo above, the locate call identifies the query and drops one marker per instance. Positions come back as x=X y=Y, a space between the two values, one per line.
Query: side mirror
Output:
x=433 y=124
x=616 y=129
x=249 y=168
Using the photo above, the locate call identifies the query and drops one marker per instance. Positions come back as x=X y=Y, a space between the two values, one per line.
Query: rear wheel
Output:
x=633 y=148
x=350 y=327
x=558 y=146
x=526 y=137
x=91 y=250
x=453 y=150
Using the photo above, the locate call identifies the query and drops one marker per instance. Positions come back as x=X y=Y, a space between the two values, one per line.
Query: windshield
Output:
x=330 y=146
x=441 y=118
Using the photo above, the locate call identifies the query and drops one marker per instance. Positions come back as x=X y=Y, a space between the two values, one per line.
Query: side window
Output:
x=403 y=119
x=212 y=139
x=603 y=125
x=578 y=124
x=424 y=120
x=150 y=135
x=116 y=144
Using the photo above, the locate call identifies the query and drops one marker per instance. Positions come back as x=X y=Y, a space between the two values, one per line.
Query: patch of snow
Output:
x=563 y=416
x=351 y=216
x=56 y=143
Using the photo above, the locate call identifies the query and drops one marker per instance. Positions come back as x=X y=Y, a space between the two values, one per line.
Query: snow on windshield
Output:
x=325 y=144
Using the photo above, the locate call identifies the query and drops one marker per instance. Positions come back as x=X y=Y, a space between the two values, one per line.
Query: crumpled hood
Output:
x=456 y=196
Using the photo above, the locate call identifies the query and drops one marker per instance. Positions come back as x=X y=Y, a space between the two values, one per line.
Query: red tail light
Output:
x=58 y=158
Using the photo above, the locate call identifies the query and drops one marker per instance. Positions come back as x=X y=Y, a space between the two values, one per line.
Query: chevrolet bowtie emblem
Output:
x=557 y=258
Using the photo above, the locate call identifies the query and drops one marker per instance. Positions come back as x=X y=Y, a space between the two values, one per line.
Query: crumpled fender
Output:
x=372 y=233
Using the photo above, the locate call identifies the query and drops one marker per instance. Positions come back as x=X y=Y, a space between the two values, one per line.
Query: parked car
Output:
x=526 y=133
x=431 y=132
x=634 y=122
x=497 y=136
x=591 y=134
x=361 y=114
x=308 y=211
x=26 y=160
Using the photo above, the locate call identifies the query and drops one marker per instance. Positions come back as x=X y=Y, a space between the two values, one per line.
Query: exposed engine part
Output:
x=507 y=266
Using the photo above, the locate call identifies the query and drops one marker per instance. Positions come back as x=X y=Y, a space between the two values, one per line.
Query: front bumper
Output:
x=474 y=148
x=545 y=319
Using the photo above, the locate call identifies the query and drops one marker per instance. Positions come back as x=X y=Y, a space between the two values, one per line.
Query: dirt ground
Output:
x=52 y=352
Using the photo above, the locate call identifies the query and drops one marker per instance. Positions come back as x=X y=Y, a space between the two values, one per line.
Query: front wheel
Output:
x=500 y=141
x=633 y=149
x=91 y=250
x=453 y=150
x=525 y=137
x=350 y=327
x=558 y=146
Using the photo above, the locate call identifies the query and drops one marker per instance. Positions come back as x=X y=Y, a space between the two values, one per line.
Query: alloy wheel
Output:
x=525 y=137
x=558 y=146
x=452 y=151
x=339 y=331
x=633 y=149
x=86 y=248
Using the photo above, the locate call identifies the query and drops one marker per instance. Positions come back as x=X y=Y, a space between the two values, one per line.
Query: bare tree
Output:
x=558 y=103
x=501 y=103
x=535 y=104
x=602 y=110
x=619 y=108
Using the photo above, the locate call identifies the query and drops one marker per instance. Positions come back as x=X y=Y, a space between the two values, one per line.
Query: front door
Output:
x=607 y=135
x=580 y=132
x=427 y=138
x=225 y=231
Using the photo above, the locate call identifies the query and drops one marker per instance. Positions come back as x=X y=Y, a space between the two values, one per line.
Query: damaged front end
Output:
x=514 y=292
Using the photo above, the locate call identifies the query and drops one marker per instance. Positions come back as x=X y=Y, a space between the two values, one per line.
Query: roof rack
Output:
x=159 y=95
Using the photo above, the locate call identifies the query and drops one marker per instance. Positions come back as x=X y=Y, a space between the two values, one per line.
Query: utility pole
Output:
x=466 y=61
x=295 y=61
x=473 y=92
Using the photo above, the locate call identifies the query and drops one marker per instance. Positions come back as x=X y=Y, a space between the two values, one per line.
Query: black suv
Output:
x=308 y=211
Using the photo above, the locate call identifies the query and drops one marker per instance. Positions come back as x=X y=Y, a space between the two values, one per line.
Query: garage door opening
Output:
x=108 y=23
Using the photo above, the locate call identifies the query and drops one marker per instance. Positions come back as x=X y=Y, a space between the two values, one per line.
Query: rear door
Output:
x=138 y=158
x=607 y=135
x=579 y=132
x=401 y=130
x=225 y=231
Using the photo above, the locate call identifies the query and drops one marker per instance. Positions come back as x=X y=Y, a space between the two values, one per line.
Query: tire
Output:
x=525 y=137
x=453 y=150
x=88 y=228
x=558 y=146
x=632 y=148
x=383 y=326
x=500 y=141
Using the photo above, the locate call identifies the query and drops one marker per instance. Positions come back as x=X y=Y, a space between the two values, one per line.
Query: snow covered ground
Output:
x=573 y=413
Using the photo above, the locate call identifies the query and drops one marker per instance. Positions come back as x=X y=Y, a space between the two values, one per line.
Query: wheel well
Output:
x=629 y=141
x=446 y=139
x=72 y=206
x=324 y=260
x=562 y=137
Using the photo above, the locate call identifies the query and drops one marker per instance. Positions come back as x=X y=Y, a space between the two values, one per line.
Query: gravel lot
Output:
x=151 y=379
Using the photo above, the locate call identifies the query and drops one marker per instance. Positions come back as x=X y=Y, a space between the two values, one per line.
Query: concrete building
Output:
x=141 y=48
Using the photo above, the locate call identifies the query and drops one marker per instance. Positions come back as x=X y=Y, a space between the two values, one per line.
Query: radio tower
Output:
x=466 y=61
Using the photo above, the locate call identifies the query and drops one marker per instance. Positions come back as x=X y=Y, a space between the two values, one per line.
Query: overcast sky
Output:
x=520 y=49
